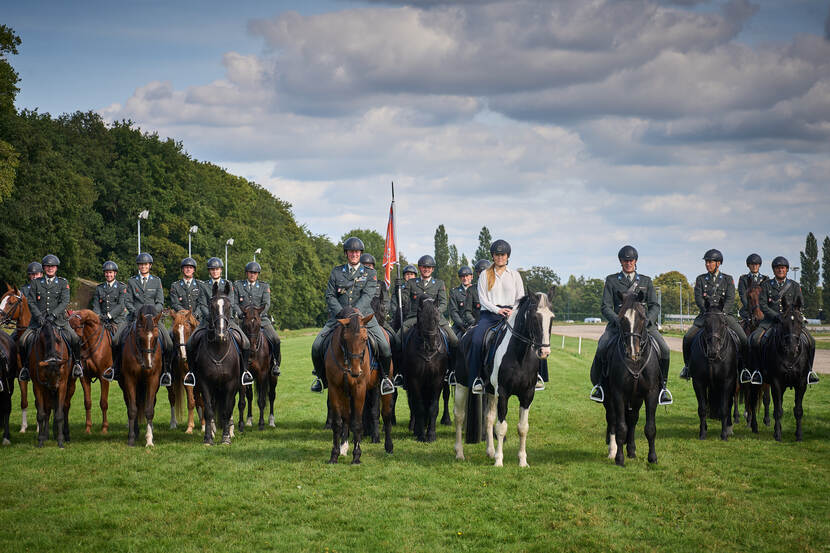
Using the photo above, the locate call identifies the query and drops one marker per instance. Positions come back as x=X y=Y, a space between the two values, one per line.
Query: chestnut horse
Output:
x=260 y=366
x=96 y=357
x=49 y=368
x=350 y=376
x=8 y=370
x=15 y=307
x=184 y=323
x=140 y=371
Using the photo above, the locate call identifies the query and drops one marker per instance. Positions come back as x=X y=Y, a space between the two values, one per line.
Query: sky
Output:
x=568 y=128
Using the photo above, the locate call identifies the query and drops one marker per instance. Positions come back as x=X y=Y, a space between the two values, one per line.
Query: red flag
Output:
x=390 y=256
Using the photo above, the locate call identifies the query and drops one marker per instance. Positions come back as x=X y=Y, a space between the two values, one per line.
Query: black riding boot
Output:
x=684 y=372
x=665 y=395
x=111 y=373
x=166 y=369
x=247 y=377
x=23 y=375
x=275 y=367
x=318 y=371
x=597 y=393
x=386 y=386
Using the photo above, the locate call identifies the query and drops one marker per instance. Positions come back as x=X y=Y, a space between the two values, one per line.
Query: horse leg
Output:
x=736 y=416
x=172 y=399
x=191 y=405
x=86 y=385
x=241 y=404
x=249 y=394
x=622 y=429
x=272 y=395
x=651 y=426
x=359 y=399
x=329 y=414
x=501 y=429
x=419 y=414
x=492 y=411
x=103 y=403
x=336 y=431
x=70 y=391
x=777 y=409
x=230 y=391
x=766 y=403
x=24 y=405
x=610 y=426
x=42 y=420
x=751 y=403
x=59 y=413
x=261 y=393
x=798 y=410
x=386 y=411
x=460 y=411
x=445 y=393
x=522 y=429
x=152 y=387
x=726 y=414
x=700 y=392
x=345 y=424
x=633 y=416
x=434 y=406
x=207 y=410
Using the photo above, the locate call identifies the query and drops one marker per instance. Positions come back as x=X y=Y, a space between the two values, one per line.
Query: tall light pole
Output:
x=680 y=294
x=228 y=243
x=795 y=270
x=190 y=232
x=256 y=251
x=143 y=215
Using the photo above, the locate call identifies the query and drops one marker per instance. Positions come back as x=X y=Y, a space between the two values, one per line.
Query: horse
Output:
x=96 y=357
x=375 y=403
x=49 y=365
x=713 y=365
x=184 y=323
x=425 y=358
x=350 y=377
x=141 y=364
x=633 y=379
x=15 y=307
x=260 y=366
x=515 y=365
x=787 y=358
x=751 y=393
x=8 y=371
x=217 y=363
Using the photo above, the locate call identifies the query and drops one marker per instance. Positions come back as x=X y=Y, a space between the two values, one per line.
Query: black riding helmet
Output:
x=500 y=246
x=353 y=243
x=143 y=258
x=410 y=269
x=50 y=259
x=253 y=267
x=753 y=259
x=426 y=261
x=110 y=266
x=628 y=253
x=367 y=259
x=780 y=261
x=713 y=255
x=215 y=263
x=188 y=262
x=464 y=271
x=34 y=268
x=482 y=265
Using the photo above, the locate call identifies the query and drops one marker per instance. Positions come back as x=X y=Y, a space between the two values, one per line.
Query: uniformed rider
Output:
x=616 y=286
x=351 y=285
x=715 y=286
x=472 y=305
x=110 y=304
x=250 y=292
x=426 y=285
x=48 y=298
x=185 y=292
x=754 y=276
x=458 y=300
x=396 y=311
x=773 y=291
x=33 y=270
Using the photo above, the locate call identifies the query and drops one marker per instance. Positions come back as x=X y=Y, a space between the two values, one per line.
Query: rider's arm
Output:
x=770 y=313
x=96 y=301
x=455 y=312
x=64 y=303
x=607 y=307
x=442 y=301
x=158 y=298
x=364 y=302
x=699 y=300
x=31 y=296
x=484 y=294
x=519 y=287
x=651 y=303
x=175 y=304
x=331 y=295
x=468 y=317
x=729 y=297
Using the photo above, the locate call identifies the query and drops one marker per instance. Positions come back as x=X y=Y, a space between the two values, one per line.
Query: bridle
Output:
x=85 y=343
x=142 y=351
x=720 y=340
x=12 y=315
x=348 y=356
x=432 y=346
x=529 y=340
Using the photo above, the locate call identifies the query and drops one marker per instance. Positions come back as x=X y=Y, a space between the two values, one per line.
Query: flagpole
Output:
x=397 y=254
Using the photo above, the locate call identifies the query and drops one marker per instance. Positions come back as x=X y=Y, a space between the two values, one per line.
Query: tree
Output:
x=672 y=285
x=809 y=276
x=442 y=256
x=484 y=241
x=539 y=279
x=825 y=277
x=464 y=261
x=372 y=241
x=9 y=158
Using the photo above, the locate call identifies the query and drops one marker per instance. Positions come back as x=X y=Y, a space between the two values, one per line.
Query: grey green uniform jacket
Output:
x=744 y=282
x=346 y=289
x=432 y=288
x=110 y=302
x=770 y=299
x=184 y=296
x=714 y=287
x=616 y=286
x=207 y=293
x=139 y=296
x=256 y=295
x=49 y=299
x=472 y=307
x=458 y=299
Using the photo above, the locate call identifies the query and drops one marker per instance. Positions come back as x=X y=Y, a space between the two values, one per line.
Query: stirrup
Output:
x=247 y=378
x=317 y=386
x=398 y=380
x=597 y=394
x=189 y=379
x=478 y=386
x=540 y=384
x=756 y=379
x=451 y=379
x=77 y=370
x=275 y=370
x=23 y=376
x=665 y=397
x=2 y=388
x=165 y=380
x=812 y=377
x=745 y=376
x=109 y=374
x=386 y=387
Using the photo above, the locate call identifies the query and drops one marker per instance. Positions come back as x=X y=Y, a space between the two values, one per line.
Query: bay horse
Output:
x=8 y=371
x=713 y=365
x=49 y=368
x=96 y=357
x=787 y=357
x=350 y=376
x=217 y=364
x=184 y=323
x=260 y=367
x=515 y=365
x=425 y=359
x=750 y=392
x=15 y=307
x=375 y=402
x=141 y=364
x=633 y=379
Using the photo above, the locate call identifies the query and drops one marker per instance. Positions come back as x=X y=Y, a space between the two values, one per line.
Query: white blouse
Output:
x=507 y=290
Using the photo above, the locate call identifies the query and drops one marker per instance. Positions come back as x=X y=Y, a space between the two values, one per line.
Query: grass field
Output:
x=272 y=490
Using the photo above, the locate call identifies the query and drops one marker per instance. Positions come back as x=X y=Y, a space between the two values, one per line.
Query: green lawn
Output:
x=272 y=490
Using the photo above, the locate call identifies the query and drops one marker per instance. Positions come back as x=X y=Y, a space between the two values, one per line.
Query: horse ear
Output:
x=158 y=316
x=8 y=287
x=227 y=288
x=641 y=296
x=215 y=289
x=260 y=309
x=185 y=312
x=551 y=292
x=344 y=322
x=798 y=302
x=366 y=319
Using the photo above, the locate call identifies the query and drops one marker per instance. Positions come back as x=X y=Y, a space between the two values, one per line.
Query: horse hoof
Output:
x=632 y=455
x=23 y=429
x=105 y=430
x=272 y=425
x=40 y=444
x=249 y=422
x=208 y=444
x=460 y=457
x=226 y=441
x=189 y=431
x=356 y=462
x=173 y=426
x=652 y=459
x=149 y=445
x=6 y=441
x=445 y=421
x=766 y=422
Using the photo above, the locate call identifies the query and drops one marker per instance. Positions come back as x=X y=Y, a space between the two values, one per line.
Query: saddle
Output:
x=492 y=338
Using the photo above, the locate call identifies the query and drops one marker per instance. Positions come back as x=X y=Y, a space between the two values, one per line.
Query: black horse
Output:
x=425 y=360
x=8 y=372
x=787 y=356
x=713 y=365
x=217 y=362
x=633 y=378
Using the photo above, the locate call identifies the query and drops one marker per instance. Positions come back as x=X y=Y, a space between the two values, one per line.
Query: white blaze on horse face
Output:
x=547 y=316
x=3 y=303
x=149 y=338
x=502 y=350
x=221 y=304
x=630 y=315
x=182 y=343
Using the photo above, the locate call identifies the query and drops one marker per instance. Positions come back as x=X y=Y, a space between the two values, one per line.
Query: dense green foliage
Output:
x=484 y=241
x=8 y=90
x=825 y=277
x=809 y=276
x=673 y=285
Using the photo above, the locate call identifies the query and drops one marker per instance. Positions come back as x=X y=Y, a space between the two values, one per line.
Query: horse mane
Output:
x=521 y=312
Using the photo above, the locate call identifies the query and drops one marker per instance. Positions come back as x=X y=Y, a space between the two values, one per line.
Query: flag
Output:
x=390 y=256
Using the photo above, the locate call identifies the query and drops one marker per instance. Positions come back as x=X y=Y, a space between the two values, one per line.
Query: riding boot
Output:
x=317 y=385
x=247 y=377
x=23 y=375
x=275 y=367
x=77 y=369
x=597 y=393
x=687 y=346
x=665 y=395
x=167 y=373
x=386 y=386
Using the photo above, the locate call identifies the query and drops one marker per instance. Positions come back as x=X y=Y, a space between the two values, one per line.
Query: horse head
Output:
x=184 y=323
x=252 y=322
x=543 y=322
x=753 y=294
x=13 y=304
x=220 y=306
x=632 y=321
x=50 y=359
x=147 y=332
x=354 y=341
x=792 y=327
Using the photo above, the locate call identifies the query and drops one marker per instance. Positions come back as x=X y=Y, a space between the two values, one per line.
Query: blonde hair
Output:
x=491 y=276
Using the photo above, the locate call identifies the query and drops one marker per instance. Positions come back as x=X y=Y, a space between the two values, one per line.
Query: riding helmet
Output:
x=110 y=266
x=780 y=261
x=188 y=262
x=482 y=265
x=753 y=259
x=353 y=243
x=253 y=267
x=500 y=246
x=144 y=258
x=464 y=271
x=410 y=269
x=367 y=259
x=426 y=261
x=628 y=253
x=50 y=259
x=214 y=263
x=34 y=268
x=713 y=255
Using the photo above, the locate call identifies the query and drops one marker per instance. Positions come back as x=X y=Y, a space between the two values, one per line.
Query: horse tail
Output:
x=181 y=397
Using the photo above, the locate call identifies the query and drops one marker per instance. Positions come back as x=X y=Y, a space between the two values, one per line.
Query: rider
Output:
x=458 y=298
x=754 y=276
x=185 y=292
x=110 y=304
x=33 y=271
x=250 y=292
x=773 y=291
x=616 y=285
x=472 y=307
x=714 y=285
x=409 y=272
x=48 y=298
x=215 y=266
x=499 y=291
x=351 y=285
x=368 y=261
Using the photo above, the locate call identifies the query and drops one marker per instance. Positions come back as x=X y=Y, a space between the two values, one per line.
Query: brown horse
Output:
x=49 y=365
x=751 y=393
x=184 y=323
x=350 y=377
x=15 y=307
x=96 y=357
x=260 y=366
x=8 y=370
x=141 y=364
